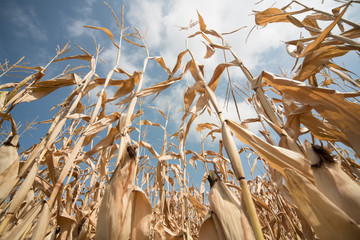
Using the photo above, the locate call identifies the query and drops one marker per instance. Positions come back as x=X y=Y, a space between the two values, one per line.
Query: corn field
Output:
x=101 y=175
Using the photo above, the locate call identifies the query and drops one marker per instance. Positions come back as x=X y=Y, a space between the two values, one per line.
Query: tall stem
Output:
x=124 y=131
x=233 y=154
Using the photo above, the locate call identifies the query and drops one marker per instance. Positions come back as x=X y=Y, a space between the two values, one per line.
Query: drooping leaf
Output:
x=78 y=57
x=107 y=31
x=330 y=104
x=277 y=157
x=209 y=51
x=315 y=44
x=201 y=22
x=189 y=97
x=315 y=61
x=272 y=15
x=162 y=63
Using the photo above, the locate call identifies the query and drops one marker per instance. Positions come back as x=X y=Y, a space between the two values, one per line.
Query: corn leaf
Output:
x=330 y=104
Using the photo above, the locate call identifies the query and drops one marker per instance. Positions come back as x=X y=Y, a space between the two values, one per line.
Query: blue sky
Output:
x=34 y=28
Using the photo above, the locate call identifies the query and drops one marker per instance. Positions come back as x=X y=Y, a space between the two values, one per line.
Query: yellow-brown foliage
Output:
x=91 y=177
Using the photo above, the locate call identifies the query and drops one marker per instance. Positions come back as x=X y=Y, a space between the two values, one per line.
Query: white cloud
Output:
x=149 y=12
x=158 y=19
x=76 y=28
x=84 y=16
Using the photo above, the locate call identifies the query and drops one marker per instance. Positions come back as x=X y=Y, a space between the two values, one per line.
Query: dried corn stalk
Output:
x=82 y=182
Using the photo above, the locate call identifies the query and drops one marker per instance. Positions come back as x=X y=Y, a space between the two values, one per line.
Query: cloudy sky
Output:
x=34 y=28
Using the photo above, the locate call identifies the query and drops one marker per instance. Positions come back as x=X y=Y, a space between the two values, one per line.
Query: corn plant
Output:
x=97 y=174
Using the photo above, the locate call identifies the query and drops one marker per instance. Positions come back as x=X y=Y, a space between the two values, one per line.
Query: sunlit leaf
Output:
x=201 y=22
x=107 y=31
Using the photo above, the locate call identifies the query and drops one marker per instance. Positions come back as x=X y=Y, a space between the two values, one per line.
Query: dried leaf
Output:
x=315 y=44
x=196 y=204
x=107 y=31
x=277 y=157
x=24 y=188
x=202 y=126
x=147 y=122
x=296 y=115
x=100 y=125
x=178 y=61
x=315 y=61
x=157 y=87
x=201 y=22
x=105 y=142
x=326 y=102
x=162 y=114
x=162 y=63
x=41 y=89
x=311 y=22
x=133 y=43
x=126 y=88
x=272 y=15
x=36 y=77
x=189 y=97
x=217 y=73
x=22 y=225
x=149 y=147
x=209 y=50
x=78 y=57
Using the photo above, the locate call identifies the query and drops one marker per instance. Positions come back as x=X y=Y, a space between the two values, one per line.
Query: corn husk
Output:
x=24 y=188
x=334 y=183
x=81 y=231
x=327 y=220
x=87 y=137
x=125 y=213
x=19 y=229
x=208 y=229
x=139 y=211
x=9 y=166
x=230 y=221
x=43 y=223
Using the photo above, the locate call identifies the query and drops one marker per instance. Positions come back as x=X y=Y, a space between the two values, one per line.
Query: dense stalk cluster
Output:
x=92 y=175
